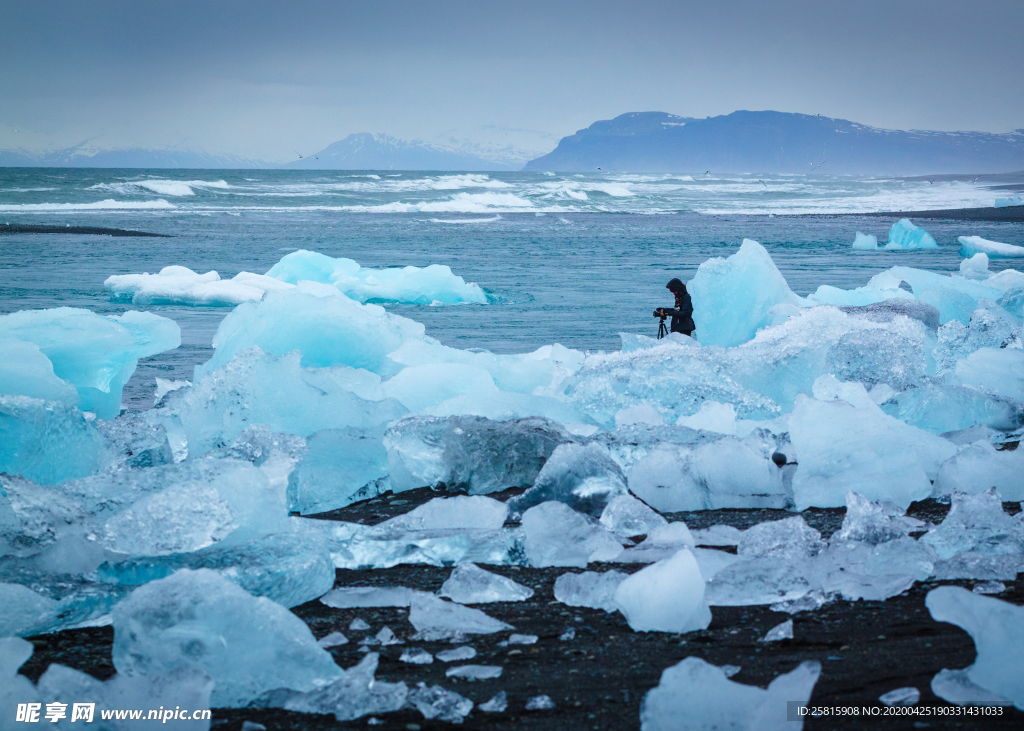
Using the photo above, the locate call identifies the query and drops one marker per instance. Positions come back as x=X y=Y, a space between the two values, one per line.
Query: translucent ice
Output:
x=978 y=524
x=422 y=387
x=979 y=466
x=135 y=441
x=996 y=370
x=584 y=477
x=783 y=631
x=955 y=686
x=901 y=697
x=357 y=693
x=474 y=672
x=258 y=388
x=971 y=245
x=556 y=535
x=334 y=639
x=484 y=455
x=497 y=704
x=697 y=696
x=713 y=416
x=416 y=656
x=327 y=328
x=348 y=597
x=470 y=584
x=865 y=241
x=540 y=703
x=589 y=589
x=662 y=542
x=846 y=446
x=473 y=512
x=874 y=522
x=341 y=466
x=47 y=441
x=25 y=371
x=411 y=285
x=790 y=538
x=429 y=614
x=667 y=596
x=997 y=628
x=905 y=235
x=733 y=297
x=437 y=702
x=988 y=327
x=199 y=622
x=625 y=516
x=459 y=653
x=97 y=354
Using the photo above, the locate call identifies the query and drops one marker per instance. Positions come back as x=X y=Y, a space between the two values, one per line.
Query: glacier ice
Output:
x=356 y=693
x=712 y=416
x=473 y=512
x=474 y=672
x=971 y=245
x=667 y=596
x=733 y=297
x=197 y=621
x=694 y=695
x=886 y=310
x=782 y=631
x=873 y=522
x=626 y=516
x=459 y=653
x=497 y=704
x=25 y=371
x=349 y=597
x=325 y=326
x=340 y=467
x=334 y=639
x=584 y=477
x=539 y=703
x=48 y=441
x=429 y=614
x=416 y=656
x=440 y=703
x=662 y=542
x=470 y=584
x=135 y=441
x=786 y=539
x=977 y=524
x=905 y=235
x=865 y=241
x=410 y=285
x=180 y=285
x=980 y=466
x=481 y=454
x=96 y=354
x=589 y=589
x=556 y=535
x=996 y=370
x=997 y=628
x=955 y=686
x=901 y=697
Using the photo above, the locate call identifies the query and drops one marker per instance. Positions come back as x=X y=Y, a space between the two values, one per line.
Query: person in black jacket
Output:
x=682 y=314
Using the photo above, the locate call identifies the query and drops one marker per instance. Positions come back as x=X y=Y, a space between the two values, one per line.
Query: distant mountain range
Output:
x=80 y=157
x=776 y=142
x=365 y=151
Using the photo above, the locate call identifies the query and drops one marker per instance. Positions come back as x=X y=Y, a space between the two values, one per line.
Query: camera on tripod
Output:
x=662 y=329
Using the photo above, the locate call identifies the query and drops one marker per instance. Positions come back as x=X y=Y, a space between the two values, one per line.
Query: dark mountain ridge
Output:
x=776 y=142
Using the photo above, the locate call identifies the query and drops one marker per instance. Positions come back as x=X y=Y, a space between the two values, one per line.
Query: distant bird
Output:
x=706 y=172
x=763 y=183
x=818 y=165
x=599 y=168
x=975 y=180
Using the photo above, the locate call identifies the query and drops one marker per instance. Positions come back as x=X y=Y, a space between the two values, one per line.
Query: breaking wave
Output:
x=109 y=205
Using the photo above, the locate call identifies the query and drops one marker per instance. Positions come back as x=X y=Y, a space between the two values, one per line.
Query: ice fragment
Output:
x=540 y=703
x=470 y=584
x=901 y=697
x=783 y=631
x=497 y=704
x=474 y=672
x=667 y=596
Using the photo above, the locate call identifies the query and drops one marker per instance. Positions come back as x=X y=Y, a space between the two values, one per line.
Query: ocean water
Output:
x=572 y=259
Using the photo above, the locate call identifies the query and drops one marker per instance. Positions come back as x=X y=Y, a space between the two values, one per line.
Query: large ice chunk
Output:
x=846 y=443
x=905 y=235
x=357 y=693
x=977 y=524
x=25 y=371
x=556 y=535
x=473 y=512
x=258 y=388
x=887 y=310
x=874 y=522
x=989 y=327
x=472 y=451
x=199 y=622
x=589 y=589
x=327 y=328
x=470 y=584
x=980 y=466
x=438 y=618
x=47 y=441
x=340 y=467
x=733 y=297
x=697 y=696
x=971 y=245
x=97 y=354
x=180 y=285
x=997 y=370
x=625 y=516
x=997 y=628
x=667 y=596
x=409 y=285
x=584 y=477
x=955 y=297
x=867 y=242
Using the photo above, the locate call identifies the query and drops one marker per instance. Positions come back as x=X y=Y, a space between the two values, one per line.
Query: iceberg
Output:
x=431 y=615
x=408 y=285
x=866 y=242
x=971 y=245
x=733 y=297
x=47 y=441
x=481 y=455
x=470 y=584
x=667 y=596
x=199 y=622
x=178 y=285
x=324 y=325
x=584 y=477
x=905 y=235
x=96 y=354
x=997 y=628
x=697 y=696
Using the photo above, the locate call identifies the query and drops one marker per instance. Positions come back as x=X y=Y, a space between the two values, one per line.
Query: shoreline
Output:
x=17 y=228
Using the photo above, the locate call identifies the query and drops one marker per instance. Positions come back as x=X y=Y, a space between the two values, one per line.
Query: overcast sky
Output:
x=265 y=78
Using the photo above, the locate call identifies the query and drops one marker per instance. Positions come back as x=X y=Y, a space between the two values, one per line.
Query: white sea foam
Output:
x=492 y=219
x=108 y=204
x=458 y=203
x=175 y=188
